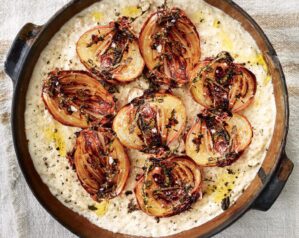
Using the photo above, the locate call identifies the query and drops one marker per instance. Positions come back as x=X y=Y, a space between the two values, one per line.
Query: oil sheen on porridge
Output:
x=49 y=141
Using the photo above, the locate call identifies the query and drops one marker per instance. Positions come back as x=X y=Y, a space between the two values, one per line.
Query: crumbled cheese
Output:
x=73 y=109
x=111 y=160
x=159 y=48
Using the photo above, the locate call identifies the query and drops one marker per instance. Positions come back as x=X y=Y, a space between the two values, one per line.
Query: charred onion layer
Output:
x=223 y=84
x=101 y=163
x=111 y=52
x=150 y=123
x=169 y=187
x=218 y=139
x=75 y=98
x=170 y=46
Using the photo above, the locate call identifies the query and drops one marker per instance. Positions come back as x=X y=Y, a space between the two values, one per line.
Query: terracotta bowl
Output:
x=261 y=193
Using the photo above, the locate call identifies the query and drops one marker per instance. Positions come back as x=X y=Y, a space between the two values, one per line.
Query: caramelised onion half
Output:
x=75 y=98
x=170 y=46
x=101 y=163
x=223 y=84
x=151 y=122
x=111 y=52
x=169 y=186
x=218 y=139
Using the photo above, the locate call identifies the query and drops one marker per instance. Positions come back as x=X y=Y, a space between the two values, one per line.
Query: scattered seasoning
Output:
x=92 y=208
x=230 y=171
x=225 y=203
x=94 y=40
x=128 y=192
x=197 y=142
x=132 y=206
x=138 y=176
x=157 y=219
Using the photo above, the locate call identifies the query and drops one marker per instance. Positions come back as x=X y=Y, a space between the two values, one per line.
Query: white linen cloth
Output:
x=20 y=213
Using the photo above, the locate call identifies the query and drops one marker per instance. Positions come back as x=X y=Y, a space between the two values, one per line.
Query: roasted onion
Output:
x=169 y=186
x=101 y=163
x=151 y=122
x=218 y=139
x=111 y=52
x=223 y=84
x=75 y=98
x=170 y=46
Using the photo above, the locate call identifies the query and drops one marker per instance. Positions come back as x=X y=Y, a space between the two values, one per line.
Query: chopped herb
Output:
x=230 y=171
x=172 y=120
x=225 y=203
x=128 y=192
x=160 y=100
x=132 y=206
x=148 y=183
x=92 y=208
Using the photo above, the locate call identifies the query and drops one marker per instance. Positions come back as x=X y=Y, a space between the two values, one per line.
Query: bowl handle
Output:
x=19 y=50
x=275 y=185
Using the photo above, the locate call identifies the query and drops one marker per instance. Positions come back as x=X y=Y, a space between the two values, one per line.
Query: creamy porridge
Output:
x=49 y=141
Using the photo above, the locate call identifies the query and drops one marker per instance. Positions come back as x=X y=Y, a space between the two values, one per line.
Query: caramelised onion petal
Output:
x=169 y=186
x=150 y=123
x=111 y=52
x=223 y=84
x=75 y=98
x=218 y=139
x=170 y=46
x=101 y=163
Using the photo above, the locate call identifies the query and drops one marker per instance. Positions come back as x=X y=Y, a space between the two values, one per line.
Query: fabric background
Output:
x=20 y=213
